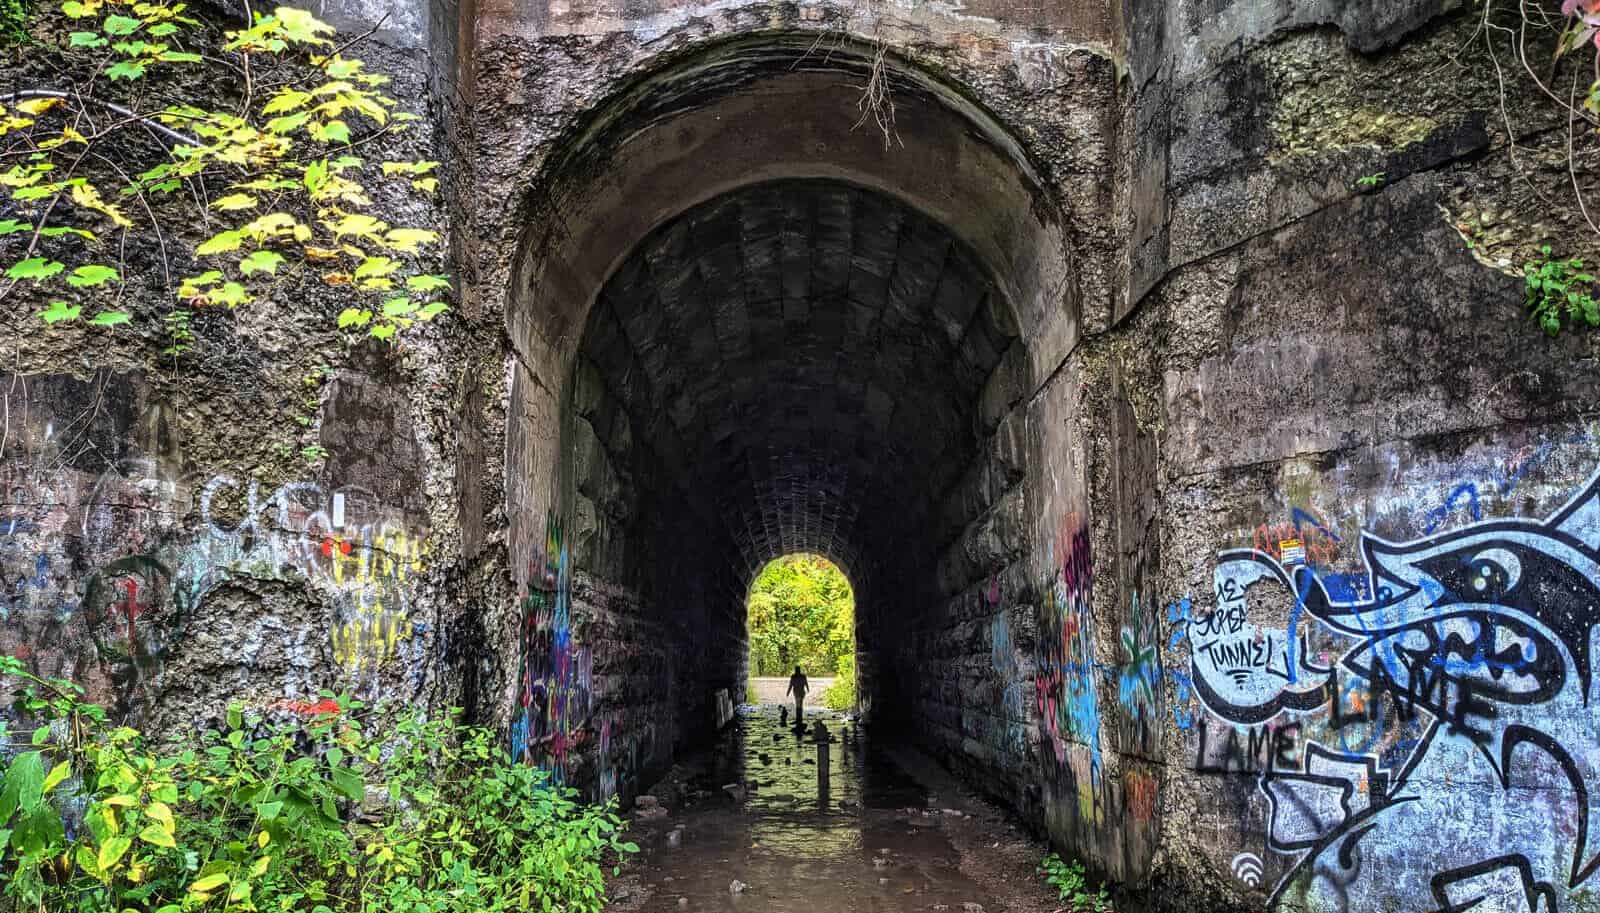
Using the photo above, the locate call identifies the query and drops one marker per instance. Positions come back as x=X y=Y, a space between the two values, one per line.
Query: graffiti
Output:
x=120 y=572
x=1064 y=684
x=1466 y=660
x=1314 y=541
x=1008 y=708
x=306 y=708
x=557 y=672
x=1247 y=868
x=1179 y=614
x=299 y=529
x=1139 y=681
x=1139 y=794
x=1255 y=749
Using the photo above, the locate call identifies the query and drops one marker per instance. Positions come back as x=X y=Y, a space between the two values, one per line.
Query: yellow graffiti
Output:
x=371 y=582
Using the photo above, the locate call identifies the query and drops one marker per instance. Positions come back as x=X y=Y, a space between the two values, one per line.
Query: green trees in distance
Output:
x=801 y=613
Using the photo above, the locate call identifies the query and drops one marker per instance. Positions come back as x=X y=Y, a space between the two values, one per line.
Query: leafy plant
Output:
x=841 y=695
x=1559 y=288
x=308 y=814
x=13 y=20
x=1072 y=886
x=1372 y=181
x=801 y=612
x=276 y=185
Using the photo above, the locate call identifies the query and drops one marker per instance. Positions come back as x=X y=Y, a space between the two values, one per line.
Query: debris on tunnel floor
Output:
x=738 y=828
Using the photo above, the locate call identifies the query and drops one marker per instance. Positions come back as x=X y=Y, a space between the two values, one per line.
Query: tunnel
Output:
x=793 y=366
x=779 y=325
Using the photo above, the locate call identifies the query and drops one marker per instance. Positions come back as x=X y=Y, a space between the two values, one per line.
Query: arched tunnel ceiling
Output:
x=805 y=357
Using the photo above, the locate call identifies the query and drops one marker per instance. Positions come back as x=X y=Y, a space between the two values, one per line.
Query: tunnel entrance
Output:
x=794 y=366
x=801 y=616
x=746 y=329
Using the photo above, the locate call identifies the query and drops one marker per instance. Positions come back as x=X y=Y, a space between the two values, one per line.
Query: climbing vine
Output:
x=278 y=185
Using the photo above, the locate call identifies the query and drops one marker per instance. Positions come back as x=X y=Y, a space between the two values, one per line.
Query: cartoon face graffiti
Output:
x=1486 y=633
x=1498 y=614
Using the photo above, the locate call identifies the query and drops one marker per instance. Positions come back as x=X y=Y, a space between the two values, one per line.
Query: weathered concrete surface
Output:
x=1221 y=515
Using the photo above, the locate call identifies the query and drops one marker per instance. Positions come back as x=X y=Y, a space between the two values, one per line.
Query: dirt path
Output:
x=879 y=838
x=770 y=690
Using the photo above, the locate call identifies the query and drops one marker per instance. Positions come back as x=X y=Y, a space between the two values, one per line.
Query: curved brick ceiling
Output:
x=805 y=357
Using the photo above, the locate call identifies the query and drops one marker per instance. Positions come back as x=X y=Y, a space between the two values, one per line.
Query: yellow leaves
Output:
x=208 y=883
x=81 y=9
x=377 y=268
x=300 y=26
x=37 y=106
x=357 y=224
x=276 y=225
x=235 y=202
x=67 y=135
x=393 y=168
x=285 y=100
x=84 y=194
x=57 y=774
x=408 y=240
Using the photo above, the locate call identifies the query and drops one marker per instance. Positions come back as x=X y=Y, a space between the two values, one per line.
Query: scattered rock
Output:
x=951 y=812
x=883 y=881
x=683 y=902
x=737 y=887
x=675 y=838
x=646 y=802
x=880 y=863
x=970 y=907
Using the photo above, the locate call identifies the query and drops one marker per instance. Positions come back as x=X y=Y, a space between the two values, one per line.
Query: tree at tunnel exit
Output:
x=801 y=613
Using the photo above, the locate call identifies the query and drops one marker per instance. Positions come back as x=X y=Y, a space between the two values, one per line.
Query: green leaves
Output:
x=110 y=318
x=35 y=269
x=92 y=275
x=126 y=69
x=261 y=261
x=1557 y=289
x=112 y=851
x=23 y=785
x=120 y=25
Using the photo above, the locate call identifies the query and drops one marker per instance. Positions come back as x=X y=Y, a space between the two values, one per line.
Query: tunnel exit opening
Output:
x=800 y=617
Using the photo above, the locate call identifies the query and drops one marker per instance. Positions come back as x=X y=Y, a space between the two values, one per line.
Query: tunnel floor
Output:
x=891 y=833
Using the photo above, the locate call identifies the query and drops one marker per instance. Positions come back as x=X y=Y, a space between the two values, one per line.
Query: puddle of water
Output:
x=863 y=845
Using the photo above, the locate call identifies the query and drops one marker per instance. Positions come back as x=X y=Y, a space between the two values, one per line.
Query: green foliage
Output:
x=274 y=184
x=314 y=816
x=1372 y=181
x=13 y=21
x=1072 y=886
x=841 y=695
x=801 y=613
x=1557 y=289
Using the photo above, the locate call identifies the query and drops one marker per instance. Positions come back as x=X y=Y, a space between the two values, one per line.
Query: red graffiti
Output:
x=1320 y=547
x=307 y=708
x=1139 y=794
x=130 y=605
x=331 y=543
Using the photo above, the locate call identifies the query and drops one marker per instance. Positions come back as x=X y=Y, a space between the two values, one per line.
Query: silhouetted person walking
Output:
x=798 y=686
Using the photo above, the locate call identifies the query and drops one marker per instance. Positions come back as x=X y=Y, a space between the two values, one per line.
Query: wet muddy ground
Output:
x=746 y=827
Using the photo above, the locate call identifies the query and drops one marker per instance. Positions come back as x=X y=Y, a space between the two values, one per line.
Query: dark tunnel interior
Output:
x=793 y=366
